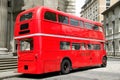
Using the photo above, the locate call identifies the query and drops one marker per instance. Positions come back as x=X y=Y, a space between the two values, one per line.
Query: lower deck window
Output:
x=97 y=47
x=65 y=45
x=83 y=46
x=26 y=44
x=75 y=46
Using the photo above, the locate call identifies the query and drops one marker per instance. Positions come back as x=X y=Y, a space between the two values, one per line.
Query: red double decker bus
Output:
x=49 y=40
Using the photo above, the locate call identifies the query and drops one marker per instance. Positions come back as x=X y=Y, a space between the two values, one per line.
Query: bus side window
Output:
x=63 y=19
x=50 y=16
x=96 y=47
x=83 y=46
x=64 y=45
x=75 y=46
x=89 y=46
x=88 y=25
x=95 y=27
x=81 y=24
x=74 y=22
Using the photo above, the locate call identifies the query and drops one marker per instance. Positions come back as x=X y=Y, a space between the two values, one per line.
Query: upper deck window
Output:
x=95 y=27
x=88 y=25
x=81 y=24
x=50 y=16
x=63 y=19
x=74 y=22
x=26 y=16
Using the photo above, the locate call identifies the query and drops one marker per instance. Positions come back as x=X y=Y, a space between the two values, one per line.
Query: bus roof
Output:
x=41 y=8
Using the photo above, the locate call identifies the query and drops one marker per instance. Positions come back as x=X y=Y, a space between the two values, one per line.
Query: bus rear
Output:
x=28 y=44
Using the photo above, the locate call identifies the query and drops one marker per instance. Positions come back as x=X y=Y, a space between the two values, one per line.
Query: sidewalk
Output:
x=8 y=74
x=114 y=57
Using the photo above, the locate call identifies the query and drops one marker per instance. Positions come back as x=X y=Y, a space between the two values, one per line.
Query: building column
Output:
x=3 y=25
x=3 y=30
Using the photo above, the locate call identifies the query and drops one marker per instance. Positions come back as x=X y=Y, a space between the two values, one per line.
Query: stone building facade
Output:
x=9 y=9
x=112 y=29
x=92 y=9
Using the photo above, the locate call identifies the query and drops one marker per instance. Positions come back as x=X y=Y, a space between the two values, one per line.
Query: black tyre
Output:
x=65 y=66
x=104 y=62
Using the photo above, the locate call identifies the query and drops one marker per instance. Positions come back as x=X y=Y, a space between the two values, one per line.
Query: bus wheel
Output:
x=104 y=62
x=65 y=66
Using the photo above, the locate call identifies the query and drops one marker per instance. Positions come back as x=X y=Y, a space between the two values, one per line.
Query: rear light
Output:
x=25 y=67
x=36 y=56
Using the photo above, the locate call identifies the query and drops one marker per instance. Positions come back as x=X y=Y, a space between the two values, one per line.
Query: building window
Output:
x=75 y=46
x=119 y=24
x=110 y=46
x=106 y=29
x=106 y=15
x=113 y=23
x=63 y=19
x=9 y=3
x=50 y=16
x=107 y=3
x=117 y=45
x=113 y=12
x=64 y=45
x=110 y=30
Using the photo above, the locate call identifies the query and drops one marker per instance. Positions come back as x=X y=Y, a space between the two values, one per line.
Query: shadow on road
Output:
x=54 y=74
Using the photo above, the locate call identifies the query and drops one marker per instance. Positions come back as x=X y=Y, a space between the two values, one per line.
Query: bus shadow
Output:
x=39 y=76
x=53 y=74
x=84 y=69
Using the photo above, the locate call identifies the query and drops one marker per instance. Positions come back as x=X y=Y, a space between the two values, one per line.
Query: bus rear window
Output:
x=26 y=16
x=26 y=44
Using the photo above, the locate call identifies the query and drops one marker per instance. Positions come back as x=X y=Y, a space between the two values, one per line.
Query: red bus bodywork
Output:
x=47 y=40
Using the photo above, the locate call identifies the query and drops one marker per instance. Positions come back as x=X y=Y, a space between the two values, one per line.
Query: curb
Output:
x=113 y=57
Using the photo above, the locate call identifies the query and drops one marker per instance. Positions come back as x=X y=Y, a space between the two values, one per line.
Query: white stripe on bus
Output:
x=58 y=36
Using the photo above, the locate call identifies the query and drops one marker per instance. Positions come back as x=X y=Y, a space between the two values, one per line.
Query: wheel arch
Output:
x=66 y=58
x=105 y=56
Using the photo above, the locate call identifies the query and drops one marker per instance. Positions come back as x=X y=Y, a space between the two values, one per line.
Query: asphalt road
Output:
x=111 y=72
